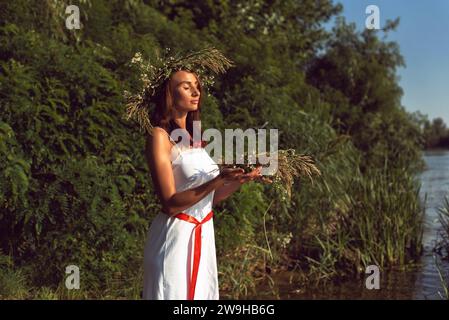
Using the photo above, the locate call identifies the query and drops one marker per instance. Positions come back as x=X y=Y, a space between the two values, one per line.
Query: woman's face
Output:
x=186 y=91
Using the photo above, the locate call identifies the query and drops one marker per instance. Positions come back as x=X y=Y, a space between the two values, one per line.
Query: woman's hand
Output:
x=254 y=175
x=229 y=175
x=235 y=178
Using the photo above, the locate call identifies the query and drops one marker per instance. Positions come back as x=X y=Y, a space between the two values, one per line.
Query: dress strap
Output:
x=173 y=141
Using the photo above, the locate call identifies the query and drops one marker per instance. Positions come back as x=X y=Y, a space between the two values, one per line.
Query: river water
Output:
x=418 y=282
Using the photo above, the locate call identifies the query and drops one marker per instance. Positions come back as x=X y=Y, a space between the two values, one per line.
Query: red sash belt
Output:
x=197 y=248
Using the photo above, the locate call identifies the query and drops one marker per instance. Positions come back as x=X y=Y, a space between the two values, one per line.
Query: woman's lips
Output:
x=194 y=101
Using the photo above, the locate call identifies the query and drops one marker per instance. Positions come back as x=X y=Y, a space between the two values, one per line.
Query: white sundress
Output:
x=170 y=248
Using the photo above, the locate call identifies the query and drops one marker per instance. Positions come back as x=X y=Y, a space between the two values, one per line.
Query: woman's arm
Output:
x=224 y=191
x=158 y=156
x=227 y=189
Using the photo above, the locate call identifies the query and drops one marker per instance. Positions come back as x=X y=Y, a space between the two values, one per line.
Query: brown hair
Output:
x=162 y=115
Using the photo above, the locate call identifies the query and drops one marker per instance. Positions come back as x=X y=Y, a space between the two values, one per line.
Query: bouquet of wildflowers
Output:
x=290 y=166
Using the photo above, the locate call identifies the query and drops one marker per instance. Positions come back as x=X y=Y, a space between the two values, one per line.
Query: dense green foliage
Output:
x=74 y=185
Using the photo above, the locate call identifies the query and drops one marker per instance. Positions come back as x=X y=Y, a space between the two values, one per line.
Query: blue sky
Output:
x=423 y=37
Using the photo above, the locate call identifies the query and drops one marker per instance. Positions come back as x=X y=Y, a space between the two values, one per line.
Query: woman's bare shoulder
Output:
x=158 y=139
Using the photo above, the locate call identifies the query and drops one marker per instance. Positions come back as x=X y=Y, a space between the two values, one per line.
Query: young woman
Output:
x=180 y=257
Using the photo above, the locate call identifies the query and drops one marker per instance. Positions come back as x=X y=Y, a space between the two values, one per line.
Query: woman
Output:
x=180 y=256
